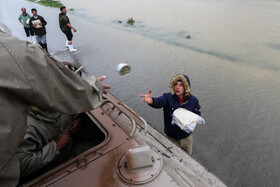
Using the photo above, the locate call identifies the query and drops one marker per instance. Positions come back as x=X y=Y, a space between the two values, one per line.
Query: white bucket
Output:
x=123 y=69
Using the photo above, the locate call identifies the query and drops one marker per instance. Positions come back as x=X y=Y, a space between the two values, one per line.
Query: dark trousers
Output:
x=28 y=31
x=68 y=34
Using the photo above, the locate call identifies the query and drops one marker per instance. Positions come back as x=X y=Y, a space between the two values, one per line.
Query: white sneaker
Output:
x=29 y=39
x=66 y=44
x=34 y=39
x=71 y=48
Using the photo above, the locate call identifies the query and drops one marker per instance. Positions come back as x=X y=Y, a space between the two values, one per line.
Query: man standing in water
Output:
x=23 y=18
x=66 y=27
x=180 y=97
x=38 y=24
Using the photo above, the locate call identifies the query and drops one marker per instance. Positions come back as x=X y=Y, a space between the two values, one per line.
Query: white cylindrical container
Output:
x=123 y=69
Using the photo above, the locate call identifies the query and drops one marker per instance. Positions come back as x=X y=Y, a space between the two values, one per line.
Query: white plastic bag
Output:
x=186 y=120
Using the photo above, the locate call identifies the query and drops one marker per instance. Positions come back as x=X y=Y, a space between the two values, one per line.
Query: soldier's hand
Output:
x=63 y=140
x=74 y=127
x=104 y=86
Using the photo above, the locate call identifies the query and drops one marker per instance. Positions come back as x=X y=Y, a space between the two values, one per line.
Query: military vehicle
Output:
x=130 y=153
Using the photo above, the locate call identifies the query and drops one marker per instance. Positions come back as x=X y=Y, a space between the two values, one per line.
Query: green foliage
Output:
x=71 y=9
x=50 y=3
x=130 y=21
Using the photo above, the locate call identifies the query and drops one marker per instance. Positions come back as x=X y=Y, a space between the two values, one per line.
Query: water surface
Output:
x=232 y=59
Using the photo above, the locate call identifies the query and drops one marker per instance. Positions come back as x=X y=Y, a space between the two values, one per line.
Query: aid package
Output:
x=186 y=119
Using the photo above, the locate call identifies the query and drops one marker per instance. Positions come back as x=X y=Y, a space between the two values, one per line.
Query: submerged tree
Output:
x=130 y=21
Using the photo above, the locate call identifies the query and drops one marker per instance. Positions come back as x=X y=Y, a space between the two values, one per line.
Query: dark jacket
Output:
x=63 y=21
x=38 y=31
x=170 y=102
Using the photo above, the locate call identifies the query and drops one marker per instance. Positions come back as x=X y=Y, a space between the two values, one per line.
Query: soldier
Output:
x=29 y=77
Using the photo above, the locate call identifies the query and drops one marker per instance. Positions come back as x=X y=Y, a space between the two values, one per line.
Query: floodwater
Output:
x=232 y=59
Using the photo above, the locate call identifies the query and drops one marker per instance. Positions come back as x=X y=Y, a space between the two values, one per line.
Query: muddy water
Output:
x=232 y=59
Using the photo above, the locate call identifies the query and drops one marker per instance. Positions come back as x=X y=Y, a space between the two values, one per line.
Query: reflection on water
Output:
x=232 y=59
x=222 y=29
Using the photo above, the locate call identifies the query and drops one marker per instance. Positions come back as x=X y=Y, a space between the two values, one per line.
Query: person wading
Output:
x=24 y=19
x=65 y=26
x=38 y=24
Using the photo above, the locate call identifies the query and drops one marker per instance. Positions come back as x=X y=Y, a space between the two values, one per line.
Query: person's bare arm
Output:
x=71 y=27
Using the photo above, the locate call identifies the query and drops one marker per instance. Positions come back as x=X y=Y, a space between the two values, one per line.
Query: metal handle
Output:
x=79 y=69
x=132 y=132
x=139 y=117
